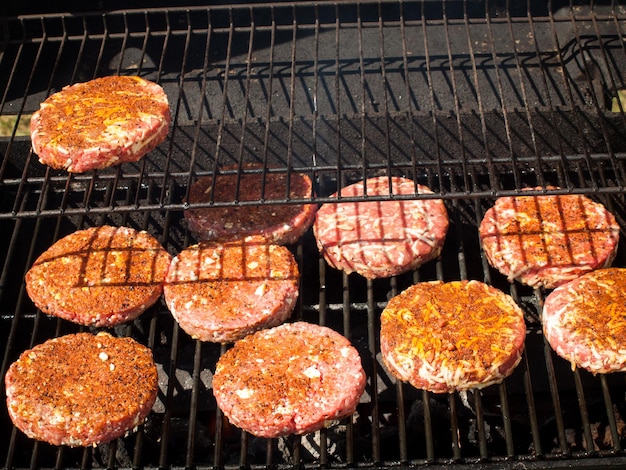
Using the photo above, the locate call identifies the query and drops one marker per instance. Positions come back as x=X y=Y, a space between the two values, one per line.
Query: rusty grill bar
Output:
x=475 y=99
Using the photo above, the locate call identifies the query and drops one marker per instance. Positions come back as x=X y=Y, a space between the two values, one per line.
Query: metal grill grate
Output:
x=474 y=99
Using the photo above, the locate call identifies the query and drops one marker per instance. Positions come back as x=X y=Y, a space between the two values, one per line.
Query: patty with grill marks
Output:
x=81 y=389
x=381 y=238
x=547 y=240
x=99 y=276
x=289 y=379
x=100 y=123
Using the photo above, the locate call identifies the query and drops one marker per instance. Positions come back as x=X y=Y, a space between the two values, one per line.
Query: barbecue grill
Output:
x=475 y=99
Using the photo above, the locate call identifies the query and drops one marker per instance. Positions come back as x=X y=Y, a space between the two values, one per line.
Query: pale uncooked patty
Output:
x=100 y=276
x=289 y=379
x=81 y=389
x=584 y=320
x=546 y=240
x=445 y=337
x=99 y=123
x=220 y=292
x=381 y=238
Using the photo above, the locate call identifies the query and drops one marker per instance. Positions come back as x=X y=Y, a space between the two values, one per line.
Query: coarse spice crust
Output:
x=99 y=123
x=280 y=224
x=220 y=292
x=81 y=389
x=547 y=240
x=445 y=337
x=381 y=238
x=584 y=321
x=289 y=379
x=99 y=276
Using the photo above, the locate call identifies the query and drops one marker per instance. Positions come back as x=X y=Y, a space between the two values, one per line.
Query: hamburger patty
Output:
x=99 y=123
x=444 y=337
x=289 y=380
x=546 y=240
x=381 y=238
x=221 y=292
x=584 y=321
x=81 y=389
x=100 y=276
x=281 y=224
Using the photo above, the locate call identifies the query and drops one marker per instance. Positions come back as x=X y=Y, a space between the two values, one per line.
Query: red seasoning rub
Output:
x=100 y=276
x=547 y=240
x=82 y=389
x=289 y=379
x=444 y=337
x=381 y=238
x=220 y=292
x=280 y=224
x=99 y=123
x=584 y=321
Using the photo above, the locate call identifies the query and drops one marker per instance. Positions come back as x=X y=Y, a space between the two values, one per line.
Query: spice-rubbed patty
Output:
x=281 y=224
x=220 y=292
x=584 y=320
x=444 y=337
x=99 y=123
x=100 y=276
x=81 y=389
x=381 y=238
x=289 y=379
x=546 y=240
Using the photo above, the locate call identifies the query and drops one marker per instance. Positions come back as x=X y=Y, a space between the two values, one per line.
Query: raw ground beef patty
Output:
x=281 y=224
x=81 y=389
x=100 y=276
x=381 y=238
x=546 y=240
x=220 y=292
x=99 y=123
x=444 y=337
x=289 y=380
x=584 y=321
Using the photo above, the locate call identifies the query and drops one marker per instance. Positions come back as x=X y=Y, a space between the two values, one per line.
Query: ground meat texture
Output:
x=547 y=240
x=289 y=379
x=445 y=337
x=584 y=321
x=381 y=238
x=99 y=123
x=220 y=292
x=100 y=276
x=81 y=389
x=280 y=224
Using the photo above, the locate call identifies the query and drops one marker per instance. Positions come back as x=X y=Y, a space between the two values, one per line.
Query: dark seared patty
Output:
x=221 y=292
x=100 y=276
x=584 y=321
x=381 y=238
x=546 y=240
x=82 y=389
x=99 y=123
x=281 y=224
x=288 y=380
x=451 y=336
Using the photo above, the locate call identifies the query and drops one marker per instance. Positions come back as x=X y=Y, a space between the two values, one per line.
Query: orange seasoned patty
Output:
x=99 y=123
x=100 y=276
x=281 y=224
x=289 y=379
x=546 y=240
x=451 y=336
x=221 y=292
x=81 y=389
x=584 y=320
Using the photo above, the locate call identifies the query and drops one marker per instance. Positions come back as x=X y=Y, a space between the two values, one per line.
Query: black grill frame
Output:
x=340 y=91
